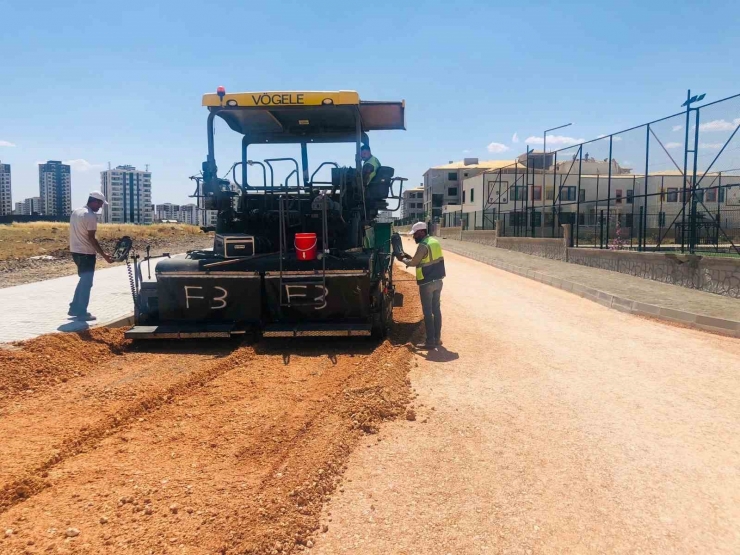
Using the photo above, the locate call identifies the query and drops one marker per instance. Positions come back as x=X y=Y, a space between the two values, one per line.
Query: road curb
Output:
x=118 y=322
x=604 y=298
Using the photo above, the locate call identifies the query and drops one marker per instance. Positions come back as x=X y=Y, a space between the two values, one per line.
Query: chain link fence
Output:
x=670 y=184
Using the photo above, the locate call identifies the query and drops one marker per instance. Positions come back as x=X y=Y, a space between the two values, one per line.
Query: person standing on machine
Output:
x=83 y=224
x=430 y=271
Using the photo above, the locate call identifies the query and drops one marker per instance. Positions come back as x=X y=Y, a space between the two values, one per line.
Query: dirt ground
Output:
x=24 y=246
x=110 y=447
x=550 y=424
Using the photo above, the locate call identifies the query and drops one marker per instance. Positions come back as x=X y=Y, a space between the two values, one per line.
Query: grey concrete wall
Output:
x=487 y=237
x=546 y=248
x=450 y=232
x=712 y=274
x=717 y=275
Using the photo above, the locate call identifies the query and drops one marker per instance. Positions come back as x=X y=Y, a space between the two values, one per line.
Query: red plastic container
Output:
x=305 y=246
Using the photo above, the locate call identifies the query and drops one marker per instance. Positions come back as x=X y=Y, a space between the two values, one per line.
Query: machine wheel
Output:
x=382 y=319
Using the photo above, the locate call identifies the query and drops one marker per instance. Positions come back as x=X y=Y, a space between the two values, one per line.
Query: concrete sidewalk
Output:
x=34 y=309
x=615 y=290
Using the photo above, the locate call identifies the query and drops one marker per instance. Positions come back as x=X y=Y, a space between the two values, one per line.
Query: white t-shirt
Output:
x=82 y=220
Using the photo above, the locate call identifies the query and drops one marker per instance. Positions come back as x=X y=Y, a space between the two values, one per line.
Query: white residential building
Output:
x=443 y=184
x=412 y=203
x=28 y=207
x=188 y=214
x=55 y=189
x=6 y=195
x=129 y=194
x=166 y=211
x=207 y=218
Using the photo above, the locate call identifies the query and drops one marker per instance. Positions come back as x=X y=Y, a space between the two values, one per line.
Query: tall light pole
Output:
x=692 y=220
x=544 y=170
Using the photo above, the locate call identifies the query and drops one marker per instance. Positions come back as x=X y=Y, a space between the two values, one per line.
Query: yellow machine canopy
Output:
x=303 y=116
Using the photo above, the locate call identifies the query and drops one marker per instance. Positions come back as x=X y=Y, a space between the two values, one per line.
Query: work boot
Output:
x=425 y=346
x=87 y=317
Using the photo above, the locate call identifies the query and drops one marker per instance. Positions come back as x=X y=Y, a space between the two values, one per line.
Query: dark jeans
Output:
x=430 y=293
x=85 y=269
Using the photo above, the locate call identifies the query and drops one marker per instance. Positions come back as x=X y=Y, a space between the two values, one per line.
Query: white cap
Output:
x=418 y=226
x=98 y=196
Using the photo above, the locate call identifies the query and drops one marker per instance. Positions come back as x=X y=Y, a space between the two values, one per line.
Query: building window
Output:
x=711 y=195
x=699 y=195
x=630 y=196
x=452 y=192
x=661 y=219
x=472 y=194
x=570 y=193
x=619 y=196
x=628 y=220
x=518 y=219
x=463 y=196
x=672 y=194
x=582 y=196
x=549 y=193
x=452 y=176
x=520 y=193
x=537 y=192
x=721 y=194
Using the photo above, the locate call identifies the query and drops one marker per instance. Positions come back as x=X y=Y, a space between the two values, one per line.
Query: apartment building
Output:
x=55 y=188
x=129 y=194
x=6 y=194
x=443 y=184
x=412 y=203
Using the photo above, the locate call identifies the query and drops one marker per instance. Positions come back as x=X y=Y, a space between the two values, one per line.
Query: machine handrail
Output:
x=264 y=175
x=272 y=173
x=399 y=198
x=311 y=181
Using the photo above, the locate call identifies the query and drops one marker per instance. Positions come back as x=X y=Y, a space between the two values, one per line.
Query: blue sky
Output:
x=122 y=82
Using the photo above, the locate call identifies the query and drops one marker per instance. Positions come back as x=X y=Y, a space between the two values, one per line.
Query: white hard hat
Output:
x=97 y=195
x=418 y=226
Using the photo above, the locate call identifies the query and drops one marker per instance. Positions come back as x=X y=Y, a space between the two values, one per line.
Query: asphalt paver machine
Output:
x=298 y=257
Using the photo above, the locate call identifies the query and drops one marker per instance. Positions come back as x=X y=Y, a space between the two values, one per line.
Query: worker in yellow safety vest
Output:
x=370 y=164
x=430 y=271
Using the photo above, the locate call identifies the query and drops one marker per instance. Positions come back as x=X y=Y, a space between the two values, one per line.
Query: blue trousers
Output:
x=85 y=269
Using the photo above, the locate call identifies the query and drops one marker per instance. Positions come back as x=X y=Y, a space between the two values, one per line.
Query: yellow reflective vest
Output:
x=432 y=266
x=375 y=163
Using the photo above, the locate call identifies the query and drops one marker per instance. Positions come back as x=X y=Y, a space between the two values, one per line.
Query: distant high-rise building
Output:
x=32 y=206
x=129 y=195
x=166 y=211
x=55 y=188
x=18 y=208
x=188 y=214
x=6 y=196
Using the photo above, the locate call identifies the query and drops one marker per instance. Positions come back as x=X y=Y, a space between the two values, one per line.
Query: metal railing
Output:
x=670 y=184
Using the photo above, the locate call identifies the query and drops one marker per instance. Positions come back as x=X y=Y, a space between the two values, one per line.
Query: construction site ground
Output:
x=37 y=251
x=545 y=424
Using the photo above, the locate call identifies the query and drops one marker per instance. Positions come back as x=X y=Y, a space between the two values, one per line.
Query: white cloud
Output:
x=515 y=138
x=715 y=146
x=497 y=148
x=554 y=140
x=82 y=165
x=6 y=143
x=720 y=125
x=677 y=128
x=615 y=139
x=673 y=145
x=466 y=151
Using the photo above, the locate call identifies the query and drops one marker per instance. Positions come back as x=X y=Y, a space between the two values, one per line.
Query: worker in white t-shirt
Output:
x=82 y=242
